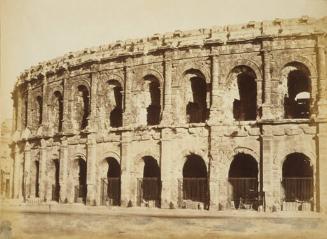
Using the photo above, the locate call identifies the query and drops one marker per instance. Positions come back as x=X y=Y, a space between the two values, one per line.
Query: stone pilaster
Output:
x=47 y=180
x=269 y=183
x=67 y=126
x=43 y=170
x=216 y=113
x=322 y=79
x=29 y=122
x=127 y=115
x=45 y=103
x=63 y=171
x=27 y=170
x=17 y=174
x=321 y=175
x=166 y=168
x=126 y=170
x=167 y=118
x=215 y=81
x=217 y=179
x=91 y=169
x=93 y=101
x=214 y=179
x=321 y=137
x=266 y=106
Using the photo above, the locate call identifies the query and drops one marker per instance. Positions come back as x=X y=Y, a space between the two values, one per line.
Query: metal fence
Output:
x=297 y=189
x=80 y=193
x=110 y=191
x=243 y=193
x=55 y=192
x=149 y=192
x=193 y=192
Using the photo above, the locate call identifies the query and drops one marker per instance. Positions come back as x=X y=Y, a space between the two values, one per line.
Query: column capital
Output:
x=91 y=139
x=266 y=132
x=27 y=146
x=64 y=142
x=43 y=143
x=169 y=55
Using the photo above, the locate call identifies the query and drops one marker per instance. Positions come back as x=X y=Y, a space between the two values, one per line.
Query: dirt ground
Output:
x=74 y=225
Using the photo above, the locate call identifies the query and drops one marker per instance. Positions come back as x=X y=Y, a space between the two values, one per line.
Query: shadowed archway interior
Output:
x=195 y=180
x=297 y=181
x=243 y=180
x=151 y=181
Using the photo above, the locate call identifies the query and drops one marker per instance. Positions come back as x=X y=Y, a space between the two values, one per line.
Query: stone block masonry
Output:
x=229 y=117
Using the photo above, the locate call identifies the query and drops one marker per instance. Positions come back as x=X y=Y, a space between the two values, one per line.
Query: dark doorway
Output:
x=196 y=110
x=39 y=109
x=81 y=189
x=116 y=117
x=25 y=112
x=58 y=110
x=84 y=108
x=245 y=108
x=243 y=179
x=56 y=185
x=37 y=175
x=150 y=185
x=297 y=178
x=116 y=114
x=111 y=185
x=195 y=181
x=153 y=110
x=297 y=101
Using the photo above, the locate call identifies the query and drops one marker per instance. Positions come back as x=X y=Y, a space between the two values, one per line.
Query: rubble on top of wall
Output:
x=177 y=39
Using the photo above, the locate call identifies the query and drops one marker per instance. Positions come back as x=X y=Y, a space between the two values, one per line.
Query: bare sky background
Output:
x=38 y=30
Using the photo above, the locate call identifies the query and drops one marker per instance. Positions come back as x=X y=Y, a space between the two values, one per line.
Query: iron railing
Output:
x=243 y=193
x=297 y=189
x=193 y=192
x=149 y=191
x=110 y=191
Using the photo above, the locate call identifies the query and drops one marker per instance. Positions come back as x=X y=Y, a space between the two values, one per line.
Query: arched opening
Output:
x=297 y=180
x=116 y=114
x=149 y=186
x=194 y=186
x=58 y=111
x=245 y=105
x=25 y=112
x=111 y=184
x=297 y=99
x=39 y=109
x=37 y=175
x=56 y=185
x=243 y=180
x=196 y=109
x=81 y=188
x=83 y=106
x=154 y=108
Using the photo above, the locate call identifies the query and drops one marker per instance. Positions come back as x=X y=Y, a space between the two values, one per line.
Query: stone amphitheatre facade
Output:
x=221 y=118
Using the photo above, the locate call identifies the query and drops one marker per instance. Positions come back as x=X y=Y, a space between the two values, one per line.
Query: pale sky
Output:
x=38 y=30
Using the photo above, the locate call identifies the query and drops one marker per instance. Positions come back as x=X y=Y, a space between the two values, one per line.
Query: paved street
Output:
x=157 y=225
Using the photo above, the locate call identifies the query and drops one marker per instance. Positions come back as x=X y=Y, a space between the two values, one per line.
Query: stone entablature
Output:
x=173 y=95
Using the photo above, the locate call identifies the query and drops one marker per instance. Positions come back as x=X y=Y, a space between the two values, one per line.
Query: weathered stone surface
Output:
x=213 y=94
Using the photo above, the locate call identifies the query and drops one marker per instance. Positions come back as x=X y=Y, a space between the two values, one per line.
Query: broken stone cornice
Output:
x=192 y=38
